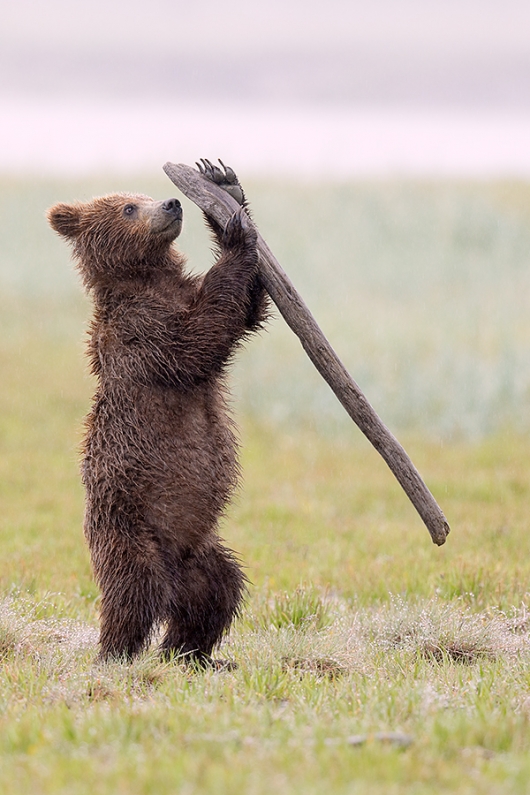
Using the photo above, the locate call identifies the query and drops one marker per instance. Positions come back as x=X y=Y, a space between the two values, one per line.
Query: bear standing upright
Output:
x=160 y=456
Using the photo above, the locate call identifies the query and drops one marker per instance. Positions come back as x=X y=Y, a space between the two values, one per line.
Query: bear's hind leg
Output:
x=209 y=589
x=125 y=628
x=131 y=607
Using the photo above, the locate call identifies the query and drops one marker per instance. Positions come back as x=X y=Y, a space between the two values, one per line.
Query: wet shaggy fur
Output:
x=159 y=459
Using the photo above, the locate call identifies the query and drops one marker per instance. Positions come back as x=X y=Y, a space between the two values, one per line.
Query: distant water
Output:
x=61 y=137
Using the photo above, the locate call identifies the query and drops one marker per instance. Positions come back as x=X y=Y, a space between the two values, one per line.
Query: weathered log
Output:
x=217 y=203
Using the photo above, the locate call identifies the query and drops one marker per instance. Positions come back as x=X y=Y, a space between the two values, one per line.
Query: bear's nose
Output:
x=172 y=206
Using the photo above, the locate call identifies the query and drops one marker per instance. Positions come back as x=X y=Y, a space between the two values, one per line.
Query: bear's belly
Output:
x=160 y=460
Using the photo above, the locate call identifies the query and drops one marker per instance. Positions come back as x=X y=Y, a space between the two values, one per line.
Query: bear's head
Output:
x=119 y=236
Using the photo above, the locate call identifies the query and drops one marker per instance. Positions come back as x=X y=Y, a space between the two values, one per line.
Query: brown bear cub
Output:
x=160 y=459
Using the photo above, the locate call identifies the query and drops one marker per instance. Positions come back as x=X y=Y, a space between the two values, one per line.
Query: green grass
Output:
x=369 y=659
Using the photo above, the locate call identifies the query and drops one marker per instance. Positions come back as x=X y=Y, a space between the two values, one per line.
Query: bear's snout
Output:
x=165 y=217
x=172 y=207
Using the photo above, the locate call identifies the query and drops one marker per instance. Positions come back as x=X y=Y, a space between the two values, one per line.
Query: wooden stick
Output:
x=220 y=206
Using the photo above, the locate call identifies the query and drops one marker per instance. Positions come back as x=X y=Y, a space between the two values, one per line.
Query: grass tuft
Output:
x=8 y=641
x=319 y=666
x=441 y=631
x=303 y=609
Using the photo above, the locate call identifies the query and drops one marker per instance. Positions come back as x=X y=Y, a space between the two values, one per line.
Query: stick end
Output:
x=170 y=168
x=440 y=532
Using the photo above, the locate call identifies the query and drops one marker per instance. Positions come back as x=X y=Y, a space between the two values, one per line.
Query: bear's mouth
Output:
x=172 y=229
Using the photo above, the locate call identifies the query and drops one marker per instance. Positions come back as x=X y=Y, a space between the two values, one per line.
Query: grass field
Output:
x=369 y=660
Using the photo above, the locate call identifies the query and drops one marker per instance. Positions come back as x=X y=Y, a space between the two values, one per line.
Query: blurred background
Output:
x=385 y=148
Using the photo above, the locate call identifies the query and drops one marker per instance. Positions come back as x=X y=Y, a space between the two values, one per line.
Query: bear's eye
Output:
x=129 y=210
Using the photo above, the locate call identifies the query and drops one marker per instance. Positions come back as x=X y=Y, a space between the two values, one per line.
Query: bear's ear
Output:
x=65 y=218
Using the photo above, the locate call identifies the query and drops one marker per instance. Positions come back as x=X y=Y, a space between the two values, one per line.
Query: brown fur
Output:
x=160 y=453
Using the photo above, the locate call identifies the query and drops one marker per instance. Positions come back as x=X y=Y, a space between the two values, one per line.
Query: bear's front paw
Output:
x=239 y=231
x=225 y=178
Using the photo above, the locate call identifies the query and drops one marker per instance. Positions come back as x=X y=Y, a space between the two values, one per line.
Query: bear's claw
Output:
x=230 y=174
x=225 y=178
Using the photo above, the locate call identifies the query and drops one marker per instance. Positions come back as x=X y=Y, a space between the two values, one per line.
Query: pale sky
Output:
x=343 y=87
x=340 y=52
x=477 y=26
